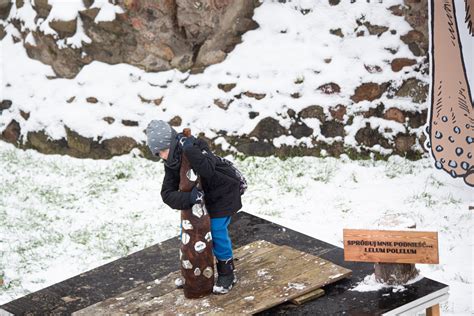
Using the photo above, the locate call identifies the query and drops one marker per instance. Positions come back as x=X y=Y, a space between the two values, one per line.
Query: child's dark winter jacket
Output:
x=221 y=191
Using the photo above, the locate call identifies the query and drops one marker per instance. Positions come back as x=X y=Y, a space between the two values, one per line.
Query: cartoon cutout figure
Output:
x=451 y=118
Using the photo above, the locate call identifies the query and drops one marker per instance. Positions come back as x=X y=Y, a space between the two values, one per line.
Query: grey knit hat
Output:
x=159 y=136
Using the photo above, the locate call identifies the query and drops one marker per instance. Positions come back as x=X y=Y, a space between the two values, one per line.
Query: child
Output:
x=221 y=192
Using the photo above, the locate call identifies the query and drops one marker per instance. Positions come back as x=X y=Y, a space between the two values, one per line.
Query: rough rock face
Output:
x=74 y=145
x=416 y=14
x=415 y=89
x=257 y=143
x=12 y=132
x=5 y=6
x=370 y=137
x=184 y=34
x=368 y=91
x=268 y=128
x=152 y=35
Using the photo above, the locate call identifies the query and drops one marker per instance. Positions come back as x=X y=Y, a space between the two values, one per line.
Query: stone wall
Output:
x=173 y=34
x=152 y=35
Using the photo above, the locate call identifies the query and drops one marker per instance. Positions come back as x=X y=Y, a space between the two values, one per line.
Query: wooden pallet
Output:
x=267 y=274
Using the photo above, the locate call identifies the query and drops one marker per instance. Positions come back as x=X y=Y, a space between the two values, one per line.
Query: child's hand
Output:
x=185 y=142
x=196 y=196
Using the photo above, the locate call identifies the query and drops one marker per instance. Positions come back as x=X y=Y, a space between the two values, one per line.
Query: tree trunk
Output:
x=197 y=259
x=395 y=273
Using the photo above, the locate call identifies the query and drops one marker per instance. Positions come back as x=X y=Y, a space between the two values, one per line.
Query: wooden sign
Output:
x=390 y=246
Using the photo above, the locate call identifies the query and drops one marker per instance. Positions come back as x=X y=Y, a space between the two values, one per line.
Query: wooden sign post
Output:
x=197 y=259
x=390 y=246
x=393 y=252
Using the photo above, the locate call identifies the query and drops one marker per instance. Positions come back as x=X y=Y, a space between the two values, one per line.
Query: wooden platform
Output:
x=123 y=275
x=267 y=275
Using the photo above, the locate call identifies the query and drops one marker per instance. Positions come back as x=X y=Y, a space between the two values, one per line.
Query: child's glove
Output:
x=196 y=196
x=185 y=142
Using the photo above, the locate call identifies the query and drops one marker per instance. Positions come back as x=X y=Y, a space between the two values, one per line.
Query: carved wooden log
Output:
x=395 y=273
x=197 y=259
x=452 y=113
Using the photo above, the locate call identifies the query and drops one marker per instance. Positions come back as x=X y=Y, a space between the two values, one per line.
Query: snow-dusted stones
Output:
x=186 y=238
x=180 y=254
x=187 y=224
x=208 y=272
x=197 y=272
x=191 y=175
x=178 y=282
x=199 y=246
x=72 y=24
x=208 y=237
x=197 y=210
x=187 y=264
x=68 y=64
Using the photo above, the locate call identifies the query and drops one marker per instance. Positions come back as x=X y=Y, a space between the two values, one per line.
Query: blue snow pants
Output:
x=221 y=243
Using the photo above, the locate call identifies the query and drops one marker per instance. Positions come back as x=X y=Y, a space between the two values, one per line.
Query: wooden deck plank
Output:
x=294 y=274
x=144 y=292
x=261 y=259
x=308 y=297
x=253 y=249
x=267 y=274
x=131 y=300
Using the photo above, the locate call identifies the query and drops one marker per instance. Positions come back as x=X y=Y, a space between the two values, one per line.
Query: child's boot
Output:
x=226 y=278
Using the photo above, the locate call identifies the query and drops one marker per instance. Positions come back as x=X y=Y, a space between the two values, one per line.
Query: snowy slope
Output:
x=62 y=216
x=284 y=56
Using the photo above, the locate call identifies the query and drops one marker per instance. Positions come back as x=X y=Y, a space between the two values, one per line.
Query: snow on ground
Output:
x=53 y=213
x=287 y=54
x=370 y=284
x=62 y=216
